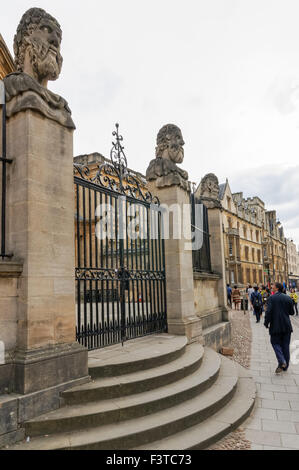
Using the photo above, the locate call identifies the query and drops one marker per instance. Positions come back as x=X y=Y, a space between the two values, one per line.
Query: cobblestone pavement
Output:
x=274 y=422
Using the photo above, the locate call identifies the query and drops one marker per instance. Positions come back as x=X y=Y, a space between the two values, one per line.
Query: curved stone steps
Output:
x=93 y=414
x=217 y=426
x=144 y=380
x=150 y=428
x=107 y=363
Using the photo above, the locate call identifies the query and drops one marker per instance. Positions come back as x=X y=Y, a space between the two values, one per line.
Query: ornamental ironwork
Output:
x=115 y=175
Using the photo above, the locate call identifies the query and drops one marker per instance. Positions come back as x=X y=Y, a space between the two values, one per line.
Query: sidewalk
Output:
x=274 y=423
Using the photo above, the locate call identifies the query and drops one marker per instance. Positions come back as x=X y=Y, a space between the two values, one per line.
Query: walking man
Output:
x=279 y=309
x=257 y=303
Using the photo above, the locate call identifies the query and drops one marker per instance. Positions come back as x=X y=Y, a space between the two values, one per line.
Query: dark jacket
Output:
x=279 y=309
x=257 y=295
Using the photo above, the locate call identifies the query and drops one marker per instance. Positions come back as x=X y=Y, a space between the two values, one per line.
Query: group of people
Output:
x=256 y=298
x=278 y=305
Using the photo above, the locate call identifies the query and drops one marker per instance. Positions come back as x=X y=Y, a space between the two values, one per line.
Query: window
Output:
x=229 y=203
x=259 y=255
x=261 y=276
x=257 y=234
x=248 y=276
x=251 y=234
x=245 y=231
x=254 y=276
x=230 y=247
x=246 y=253
x=253 y=254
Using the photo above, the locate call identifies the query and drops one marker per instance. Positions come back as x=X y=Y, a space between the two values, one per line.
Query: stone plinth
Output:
x=40 y=226
x=181 y=316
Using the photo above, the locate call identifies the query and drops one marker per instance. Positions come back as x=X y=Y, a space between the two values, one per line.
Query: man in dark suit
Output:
x=277 y=319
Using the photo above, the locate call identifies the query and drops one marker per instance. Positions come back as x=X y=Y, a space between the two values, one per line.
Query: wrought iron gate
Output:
x=120 y=268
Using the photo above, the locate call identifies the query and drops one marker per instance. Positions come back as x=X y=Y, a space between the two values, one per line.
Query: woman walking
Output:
x=236 y=296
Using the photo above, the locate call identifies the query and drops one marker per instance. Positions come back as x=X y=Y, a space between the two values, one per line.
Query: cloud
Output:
x=278 y=187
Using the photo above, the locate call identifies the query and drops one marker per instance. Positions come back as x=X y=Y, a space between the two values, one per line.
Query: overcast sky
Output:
x=225 y=71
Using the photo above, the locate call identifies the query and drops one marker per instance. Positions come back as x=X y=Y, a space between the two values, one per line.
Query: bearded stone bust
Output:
x=38 y=60
x=208 y=191
x=169 y=151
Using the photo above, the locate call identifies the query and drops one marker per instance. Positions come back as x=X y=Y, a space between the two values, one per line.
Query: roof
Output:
x=222 y=190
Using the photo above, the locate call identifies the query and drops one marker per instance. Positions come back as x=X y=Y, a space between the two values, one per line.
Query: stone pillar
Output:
x=181 y=315
x=208 y=192
x=40 y=226
x=170 y=184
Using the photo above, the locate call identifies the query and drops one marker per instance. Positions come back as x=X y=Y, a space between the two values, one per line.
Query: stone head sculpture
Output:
x=209 y=186
x=170 y=143
x=37 y=46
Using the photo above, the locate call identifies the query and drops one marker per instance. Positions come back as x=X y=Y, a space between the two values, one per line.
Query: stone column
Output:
x=208 y=192
x=169 y=183
x=40 y=226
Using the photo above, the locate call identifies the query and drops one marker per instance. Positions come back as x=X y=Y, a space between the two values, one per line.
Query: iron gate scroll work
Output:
x=120 y=262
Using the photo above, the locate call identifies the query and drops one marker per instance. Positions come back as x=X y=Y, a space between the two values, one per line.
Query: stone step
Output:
x=103 y=412
x=229 y=418
x=139 y=431
x=142 y=381
x=134 y=355
x=217 y=335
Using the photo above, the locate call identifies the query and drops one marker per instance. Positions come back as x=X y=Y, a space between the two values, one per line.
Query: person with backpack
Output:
x=257 y=303
x=279 y=309
x=294 y=297
x=229 y=294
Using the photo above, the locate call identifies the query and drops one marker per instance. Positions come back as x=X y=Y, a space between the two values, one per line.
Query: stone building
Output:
x=293 y=263
x=255 y=246
x=243 y=222
x=6 y=61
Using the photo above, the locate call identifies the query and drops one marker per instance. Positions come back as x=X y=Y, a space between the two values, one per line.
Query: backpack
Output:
x=257 y=301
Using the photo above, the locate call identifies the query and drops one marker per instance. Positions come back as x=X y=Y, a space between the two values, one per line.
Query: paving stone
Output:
x=285 y=396
x=286 y=415
x=255 y=423
x=273 y=388
x=265 y=394
x=294 y=405
x=290 y=440
x=263 y=437
x=276 y=404
x=257 y=447
x=265 y=413
x=278 y=426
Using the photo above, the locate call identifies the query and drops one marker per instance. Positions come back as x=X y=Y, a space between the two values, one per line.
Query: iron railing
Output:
x=201 y=256
x=4 y=161
x=120 y=271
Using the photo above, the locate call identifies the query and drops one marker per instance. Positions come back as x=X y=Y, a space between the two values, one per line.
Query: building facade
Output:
x=6 y=61
x=293 y=263
x=255 y=246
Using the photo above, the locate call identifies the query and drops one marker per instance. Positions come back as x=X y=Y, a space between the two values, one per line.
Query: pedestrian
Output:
x=236 y=296
x=294 y=297
x=279 y=309
x=257 y=303
x=250 y=292
x=229 y=294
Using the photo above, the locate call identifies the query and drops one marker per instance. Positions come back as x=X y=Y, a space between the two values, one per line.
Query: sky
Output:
x=225 y=71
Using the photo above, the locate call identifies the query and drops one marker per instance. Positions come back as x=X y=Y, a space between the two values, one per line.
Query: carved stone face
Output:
x=37 y=46
x=170 y=143
x=44 y=52
x=210 y=186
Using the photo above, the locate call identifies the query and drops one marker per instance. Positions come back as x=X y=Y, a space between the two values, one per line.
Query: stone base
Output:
x=189 y=326
x=217 y=336
x=43 y=368
x=16 y=409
